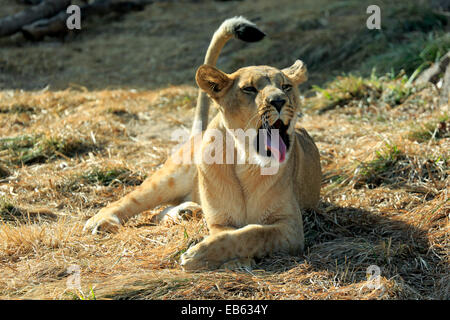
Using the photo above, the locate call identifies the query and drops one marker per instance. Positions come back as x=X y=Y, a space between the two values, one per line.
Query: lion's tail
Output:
x=237 y=27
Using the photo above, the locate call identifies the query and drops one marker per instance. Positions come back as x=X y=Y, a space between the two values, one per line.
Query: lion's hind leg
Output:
x=175 y=215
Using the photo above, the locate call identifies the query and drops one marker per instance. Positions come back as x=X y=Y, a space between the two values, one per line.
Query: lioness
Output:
x=248 y=214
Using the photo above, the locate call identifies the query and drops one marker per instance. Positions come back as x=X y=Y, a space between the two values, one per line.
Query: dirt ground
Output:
x=85 y=120
x=165 y=43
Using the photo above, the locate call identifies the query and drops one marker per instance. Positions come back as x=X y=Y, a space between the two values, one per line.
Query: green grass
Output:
x=432 y=130
x=346 y=89
x=396 y=92
x=103 y=177
x=412 y=36
x=375 y=172
x=8 y=211
x=351 y=90
x=417 y=52
x=17 y=108
x=387 y=62
x=392 y=167
x=81 y=296
x=31 y=149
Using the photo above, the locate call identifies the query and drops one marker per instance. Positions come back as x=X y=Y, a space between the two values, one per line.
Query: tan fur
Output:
x=248 y=214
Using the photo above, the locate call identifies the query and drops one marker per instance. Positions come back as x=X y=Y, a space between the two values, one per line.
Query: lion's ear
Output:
x=297 y=72
x=213 y=81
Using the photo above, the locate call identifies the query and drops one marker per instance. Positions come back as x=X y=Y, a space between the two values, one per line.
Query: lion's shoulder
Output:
x=305 y=140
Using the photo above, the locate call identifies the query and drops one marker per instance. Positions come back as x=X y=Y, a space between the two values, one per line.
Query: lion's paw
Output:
x=102 y=221
x=202 y=256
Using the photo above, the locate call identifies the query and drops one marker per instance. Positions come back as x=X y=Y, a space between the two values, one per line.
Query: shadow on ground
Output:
x=345 y=241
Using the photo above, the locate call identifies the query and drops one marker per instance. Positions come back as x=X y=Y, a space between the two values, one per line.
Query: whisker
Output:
x=251 y=119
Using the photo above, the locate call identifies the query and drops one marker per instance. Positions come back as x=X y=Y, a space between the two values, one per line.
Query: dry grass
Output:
x=381 y=205
x=65 y=153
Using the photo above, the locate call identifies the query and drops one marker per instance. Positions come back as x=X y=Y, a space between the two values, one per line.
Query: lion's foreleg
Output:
x=171 y=183
x=245 y=243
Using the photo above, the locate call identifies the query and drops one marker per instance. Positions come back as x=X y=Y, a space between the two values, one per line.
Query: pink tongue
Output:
x=279 y=153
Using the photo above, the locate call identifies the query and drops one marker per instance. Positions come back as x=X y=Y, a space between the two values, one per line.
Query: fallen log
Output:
x=432 y=73
x=56 y=25
x=33 y=2
x=12 y=24
x=445 y=94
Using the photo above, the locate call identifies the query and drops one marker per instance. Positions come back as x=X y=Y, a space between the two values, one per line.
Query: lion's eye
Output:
x=249 y=89
x=286 y=87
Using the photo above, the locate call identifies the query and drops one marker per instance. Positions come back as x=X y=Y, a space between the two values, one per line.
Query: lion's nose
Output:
x=277 y=103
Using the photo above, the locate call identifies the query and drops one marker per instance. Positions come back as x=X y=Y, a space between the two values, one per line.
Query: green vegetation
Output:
x=375 y=172
x=412 y=36
x=395 y=168
x=432 y=130
x=397 y=92
x=8 y=211
x=31 y=149
x=414 y=54
x=351 y=90
x=345 y=90
x=17 y=108
x=81 y=296
x=103 y=177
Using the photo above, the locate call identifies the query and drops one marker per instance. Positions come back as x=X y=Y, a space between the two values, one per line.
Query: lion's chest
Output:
x=261 y=195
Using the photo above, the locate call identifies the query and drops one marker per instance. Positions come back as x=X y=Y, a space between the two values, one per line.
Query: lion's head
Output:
x=258 y=97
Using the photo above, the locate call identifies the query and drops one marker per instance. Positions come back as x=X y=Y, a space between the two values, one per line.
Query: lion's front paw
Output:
x=102 y=221
x=202 y=256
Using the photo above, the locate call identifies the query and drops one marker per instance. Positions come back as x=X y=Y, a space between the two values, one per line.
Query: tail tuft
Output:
x=248 y=33
x=242 y=29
